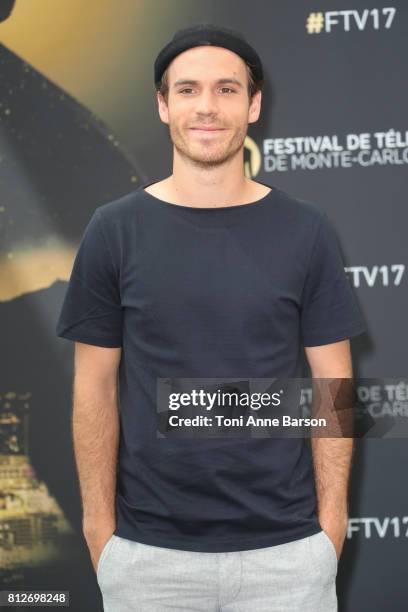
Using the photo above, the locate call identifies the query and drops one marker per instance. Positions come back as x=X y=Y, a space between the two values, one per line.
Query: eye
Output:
x=222 y=88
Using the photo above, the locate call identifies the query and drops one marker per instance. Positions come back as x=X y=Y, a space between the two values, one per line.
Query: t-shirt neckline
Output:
x=203 y=209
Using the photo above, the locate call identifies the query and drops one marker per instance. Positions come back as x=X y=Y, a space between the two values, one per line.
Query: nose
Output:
x=206 y=102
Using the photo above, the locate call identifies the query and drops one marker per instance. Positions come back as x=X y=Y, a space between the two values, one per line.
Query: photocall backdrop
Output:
x=79 y=127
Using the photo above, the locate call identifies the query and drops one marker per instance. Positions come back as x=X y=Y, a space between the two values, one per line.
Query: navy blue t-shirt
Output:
x=209 y=292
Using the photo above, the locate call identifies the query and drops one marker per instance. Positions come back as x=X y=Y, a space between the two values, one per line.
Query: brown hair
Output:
x=254 y=84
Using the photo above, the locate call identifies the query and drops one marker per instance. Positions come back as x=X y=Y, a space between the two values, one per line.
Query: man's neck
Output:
x=170 y=190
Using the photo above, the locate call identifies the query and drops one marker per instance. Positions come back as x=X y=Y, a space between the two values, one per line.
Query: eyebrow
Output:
x=219 y=82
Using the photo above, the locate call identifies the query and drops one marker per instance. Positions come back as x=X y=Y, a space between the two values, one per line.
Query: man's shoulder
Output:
x=299 y=214
x=121 y=207
x=300 y=206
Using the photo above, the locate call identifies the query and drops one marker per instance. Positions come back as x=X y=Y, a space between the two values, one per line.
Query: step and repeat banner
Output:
x=79 y=127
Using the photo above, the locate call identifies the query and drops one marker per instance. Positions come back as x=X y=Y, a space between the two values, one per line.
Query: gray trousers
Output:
x=298 y=576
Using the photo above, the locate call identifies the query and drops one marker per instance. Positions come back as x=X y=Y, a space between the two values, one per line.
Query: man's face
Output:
x=197 y=99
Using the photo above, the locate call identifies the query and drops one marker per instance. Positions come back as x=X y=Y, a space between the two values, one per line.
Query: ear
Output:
x=255 y=107
x=163 y=108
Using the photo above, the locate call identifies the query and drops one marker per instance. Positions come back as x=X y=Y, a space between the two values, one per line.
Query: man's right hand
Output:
x=96 y=538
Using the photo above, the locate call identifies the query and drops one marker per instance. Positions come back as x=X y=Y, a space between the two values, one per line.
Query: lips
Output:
x=207 y=129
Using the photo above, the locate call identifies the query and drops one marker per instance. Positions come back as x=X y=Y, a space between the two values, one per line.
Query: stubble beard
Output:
x=211 y=154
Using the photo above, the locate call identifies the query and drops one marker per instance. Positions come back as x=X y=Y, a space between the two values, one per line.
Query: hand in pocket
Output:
x=97 y=541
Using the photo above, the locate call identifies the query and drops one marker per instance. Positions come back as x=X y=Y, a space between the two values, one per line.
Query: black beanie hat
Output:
x=207 y=34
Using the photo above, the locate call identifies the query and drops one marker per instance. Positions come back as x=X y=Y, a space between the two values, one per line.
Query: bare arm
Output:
x=332 y=456
x=95 y=428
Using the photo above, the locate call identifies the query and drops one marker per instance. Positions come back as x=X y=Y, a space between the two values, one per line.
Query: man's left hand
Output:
x=335 y=527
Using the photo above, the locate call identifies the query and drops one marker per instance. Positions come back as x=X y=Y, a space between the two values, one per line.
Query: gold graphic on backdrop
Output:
x=252 y=158
x=52 y=177
x=32 y=523
x=27 y=270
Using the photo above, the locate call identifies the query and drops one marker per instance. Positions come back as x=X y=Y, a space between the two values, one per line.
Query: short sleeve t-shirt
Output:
x=208 y=292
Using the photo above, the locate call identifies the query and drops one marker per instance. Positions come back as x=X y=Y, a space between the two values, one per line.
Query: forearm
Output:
x=95 y=429
x=332 y=443
x=332 y=456
x=332 y=463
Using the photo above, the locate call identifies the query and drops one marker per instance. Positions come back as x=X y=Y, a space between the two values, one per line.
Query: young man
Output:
x=207 y=274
